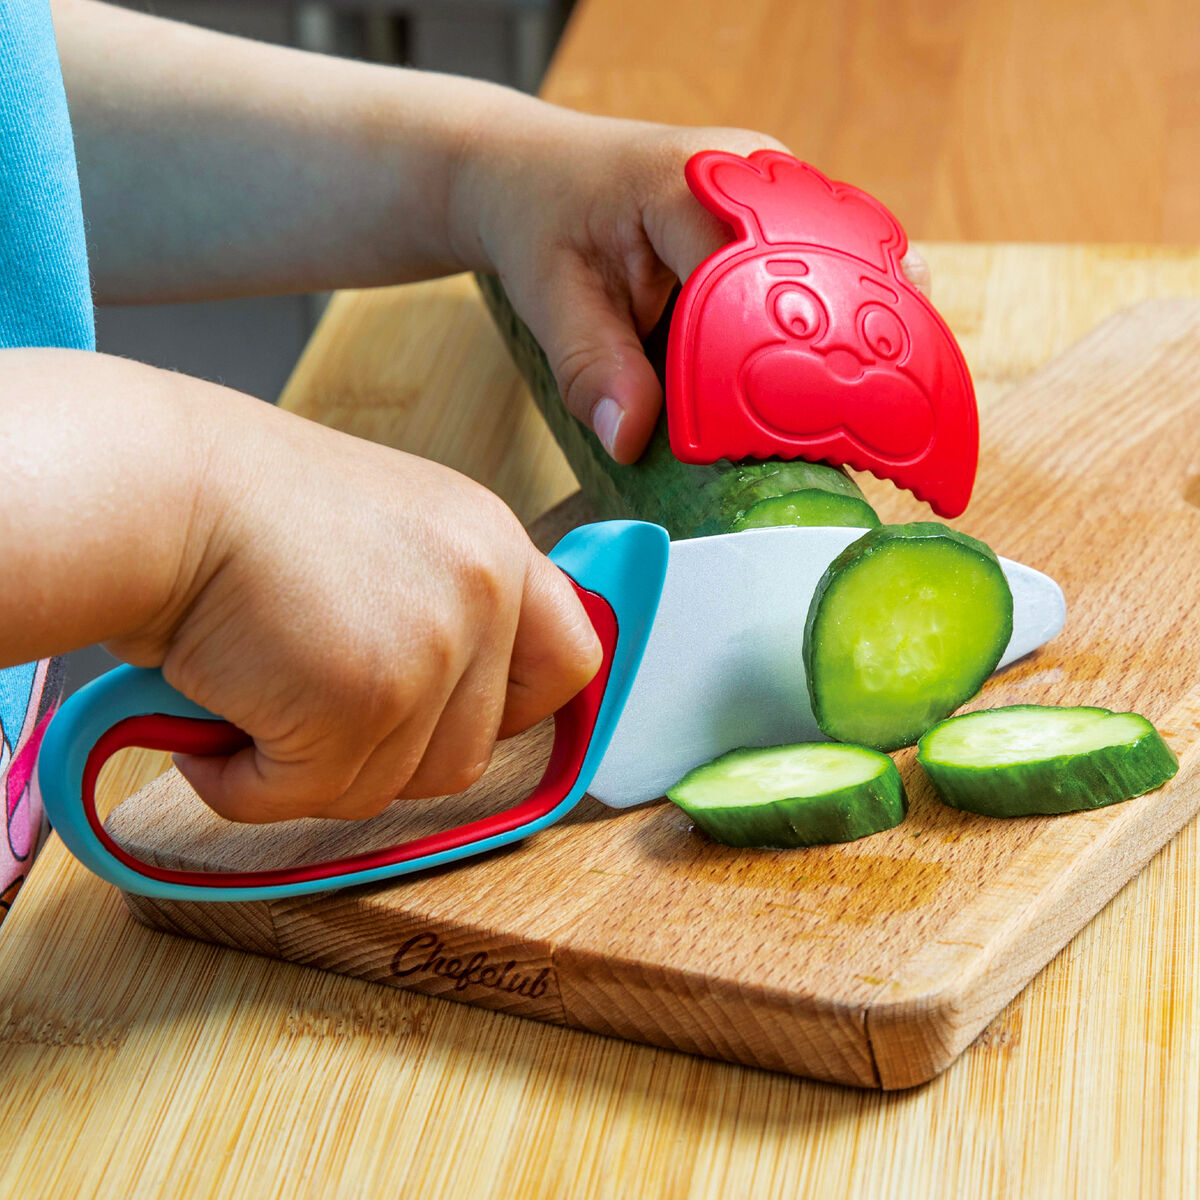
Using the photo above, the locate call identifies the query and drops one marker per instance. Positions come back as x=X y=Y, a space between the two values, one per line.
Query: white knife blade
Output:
x=724 y=665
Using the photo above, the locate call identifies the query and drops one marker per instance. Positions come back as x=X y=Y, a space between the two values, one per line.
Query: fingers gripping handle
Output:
x=139 y=698
x=617 y=568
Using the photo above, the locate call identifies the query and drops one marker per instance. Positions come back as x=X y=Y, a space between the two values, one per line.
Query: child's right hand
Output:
x=375 y=621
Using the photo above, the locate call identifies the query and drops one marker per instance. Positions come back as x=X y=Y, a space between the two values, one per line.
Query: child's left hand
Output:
x=351 y=175
x=589 y=222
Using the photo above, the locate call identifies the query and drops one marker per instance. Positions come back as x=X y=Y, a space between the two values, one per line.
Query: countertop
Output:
x=137 y=1064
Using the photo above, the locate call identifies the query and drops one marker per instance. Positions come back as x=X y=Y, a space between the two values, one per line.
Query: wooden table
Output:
x=135 y=1063
x=990 y=120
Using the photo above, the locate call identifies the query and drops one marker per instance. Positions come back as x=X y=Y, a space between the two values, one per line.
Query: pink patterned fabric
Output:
x=29 y=695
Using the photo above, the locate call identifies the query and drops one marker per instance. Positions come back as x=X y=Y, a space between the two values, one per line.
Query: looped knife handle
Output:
x=133 y=706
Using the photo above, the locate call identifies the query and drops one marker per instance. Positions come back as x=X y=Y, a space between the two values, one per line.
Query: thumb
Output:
x=598 y=362
x=686 y=234
x=555 y=653
x=693 y=234
x=683 y=233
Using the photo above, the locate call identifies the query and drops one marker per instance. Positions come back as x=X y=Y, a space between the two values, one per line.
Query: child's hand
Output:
x=373 y=620
x=589 y=223
x=587 y=219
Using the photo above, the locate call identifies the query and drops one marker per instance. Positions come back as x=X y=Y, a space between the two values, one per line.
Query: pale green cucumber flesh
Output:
x=812 y=507
x=809 y=794
x=904 y=627
x=688 y=500
x=1031 y=759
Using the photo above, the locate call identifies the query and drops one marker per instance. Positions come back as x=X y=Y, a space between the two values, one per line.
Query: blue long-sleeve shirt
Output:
x=45 y=300
x=45 y=297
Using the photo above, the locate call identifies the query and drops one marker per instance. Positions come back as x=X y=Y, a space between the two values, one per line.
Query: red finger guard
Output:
x=802 y=338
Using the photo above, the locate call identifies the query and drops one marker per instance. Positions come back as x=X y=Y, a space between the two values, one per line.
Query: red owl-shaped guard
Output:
x=803 y=339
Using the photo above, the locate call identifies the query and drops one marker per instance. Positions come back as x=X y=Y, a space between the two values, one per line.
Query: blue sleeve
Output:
x=45 y=295
x=45 y=300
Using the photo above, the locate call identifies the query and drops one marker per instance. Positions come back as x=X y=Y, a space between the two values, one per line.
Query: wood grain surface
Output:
x=873 y=963
x=998 y=120
x=138 y=1064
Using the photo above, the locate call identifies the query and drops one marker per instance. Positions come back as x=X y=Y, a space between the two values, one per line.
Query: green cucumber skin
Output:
x=854 y=555
x=1053 y=786
x=689 y=501
x=844 y=815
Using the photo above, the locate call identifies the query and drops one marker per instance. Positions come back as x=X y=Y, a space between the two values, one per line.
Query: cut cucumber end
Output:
x=1031 y=759
x=812 y=507
x=782 y=797
x=904 y=626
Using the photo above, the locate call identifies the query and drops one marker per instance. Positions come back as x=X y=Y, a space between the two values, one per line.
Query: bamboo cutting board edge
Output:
x=947 y=1002
x=906 y=1040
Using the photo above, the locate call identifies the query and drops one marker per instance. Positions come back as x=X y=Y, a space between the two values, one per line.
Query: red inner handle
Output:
x=573 y=726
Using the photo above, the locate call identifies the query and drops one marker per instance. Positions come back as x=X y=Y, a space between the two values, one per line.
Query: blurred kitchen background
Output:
x=252 y=345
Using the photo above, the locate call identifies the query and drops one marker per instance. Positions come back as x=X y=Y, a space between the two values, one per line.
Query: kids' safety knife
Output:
x=801 y=338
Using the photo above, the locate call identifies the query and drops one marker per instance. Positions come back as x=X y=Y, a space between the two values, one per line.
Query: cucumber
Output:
x=785 y=796
x=689 y=501
x=904 y=626
x=1032 y=759
x=815 y=506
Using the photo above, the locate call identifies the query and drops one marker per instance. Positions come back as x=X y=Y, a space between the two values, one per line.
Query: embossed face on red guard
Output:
x=803 y=339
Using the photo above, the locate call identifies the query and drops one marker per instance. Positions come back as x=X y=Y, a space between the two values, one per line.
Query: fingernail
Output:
x=606 y=421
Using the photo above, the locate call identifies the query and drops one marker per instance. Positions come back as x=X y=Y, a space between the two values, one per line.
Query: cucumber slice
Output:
x=1030 y=758
x=786 y=796
x=812 y=507
x=905 y=625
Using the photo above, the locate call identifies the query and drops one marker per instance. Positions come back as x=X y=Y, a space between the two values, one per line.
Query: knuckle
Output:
x=584 y=661
x=442 y=661
x=497 y=515
x=403 y=670
x=314 y=785
x=313 y=804
x=488 y=584
x=468 y=775
x=180 y=666
x=578 y=647
x=450 y=781
x=572 y=370
x=438 y=659
x=740 y=141
x=298 y=809
x=674 y=146
x=257 y=809
x=490 y=571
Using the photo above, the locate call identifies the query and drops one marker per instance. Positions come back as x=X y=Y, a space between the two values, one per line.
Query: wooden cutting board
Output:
x=873 y=963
